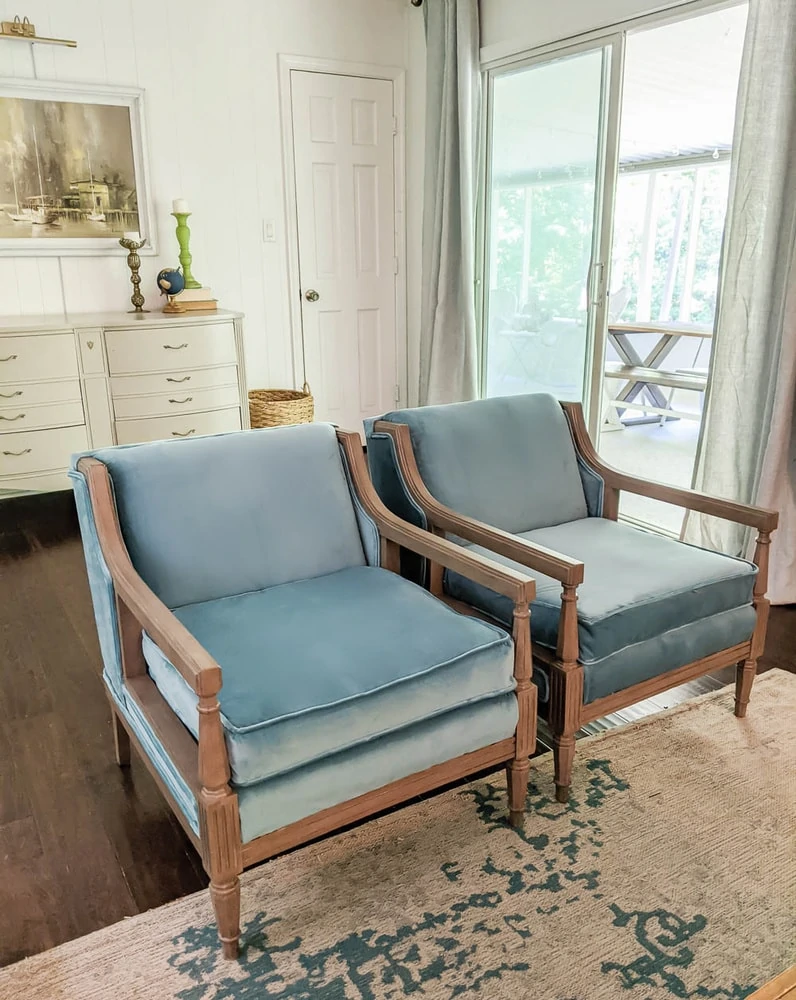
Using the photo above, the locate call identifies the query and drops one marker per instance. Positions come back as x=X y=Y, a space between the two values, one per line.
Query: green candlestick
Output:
x=183 y=236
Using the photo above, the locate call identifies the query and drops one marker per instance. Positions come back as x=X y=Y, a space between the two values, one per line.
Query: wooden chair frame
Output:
x=204 y=765
x=567 y=711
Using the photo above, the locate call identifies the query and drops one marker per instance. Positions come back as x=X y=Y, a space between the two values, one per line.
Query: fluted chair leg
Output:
x=226 y=906
x=517 y=772
x=563 y=756
x=744 y=678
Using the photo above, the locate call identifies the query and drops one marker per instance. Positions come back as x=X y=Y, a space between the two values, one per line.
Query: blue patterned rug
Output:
x=671 y=873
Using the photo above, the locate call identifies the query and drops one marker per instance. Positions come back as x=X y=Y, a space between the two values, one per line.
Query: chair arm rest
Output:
x=554 y=564
x=703 y=503
x=520 y=587
x=729 y=510
x=188 y=656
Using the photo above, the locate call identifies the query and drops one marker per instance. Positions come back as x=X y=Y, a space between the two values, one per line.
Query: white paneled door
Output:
x=343 y=136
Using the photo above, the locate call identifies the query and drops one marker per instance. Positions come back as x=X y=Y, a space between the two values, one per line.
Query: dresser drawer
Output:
x=178 y=401
x=190 y=425
x=169 y=348
x=40 y=451
x=38 y=482
x=20 y=417
x=35 y=393
x=199 y=378
x=31 y=359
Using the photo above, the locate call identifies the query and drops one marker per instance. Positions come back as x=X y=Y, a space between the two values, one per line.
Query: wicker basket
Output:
x=273 y=407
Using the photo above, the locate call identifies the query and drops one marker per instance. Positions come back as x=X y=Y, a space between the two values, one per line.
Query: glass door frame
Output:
x=612 y=45
x=614 y=37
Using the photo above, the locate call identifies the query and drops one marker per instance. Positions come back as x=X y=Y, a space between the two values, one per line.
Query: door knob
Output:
x=311 y=295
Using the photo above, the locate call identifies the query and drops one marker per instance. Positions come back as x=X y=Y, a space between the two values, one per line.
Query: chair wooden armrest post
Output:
x=138 y=609
x=520 y=587
x=560 y=567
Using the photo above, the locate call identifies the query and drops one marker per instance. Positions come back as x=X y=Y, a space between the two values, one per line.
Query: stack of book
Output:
x=196 y=300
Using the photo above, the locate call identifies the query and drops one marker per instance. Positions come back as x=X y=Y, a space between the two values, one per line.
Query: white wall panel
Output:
x=212 y=108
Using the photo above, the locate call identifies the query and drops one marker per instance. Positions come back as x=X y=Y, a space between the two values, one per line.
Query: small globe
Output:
x=170 y=281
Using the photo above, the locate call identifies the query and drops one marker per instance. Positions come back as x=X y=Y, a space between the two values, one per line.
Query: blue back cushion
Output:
x=210 y=517
x=508 y=461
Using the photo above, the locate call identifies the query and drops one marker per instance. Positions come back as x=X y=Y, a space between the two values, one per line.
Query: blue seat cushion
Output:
x=638 y=588
x=509 y=461
x=314 y=667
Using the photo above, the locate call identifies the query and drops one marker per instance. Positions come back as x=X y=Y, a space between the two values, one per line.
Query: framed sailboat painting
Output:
x=73 y=174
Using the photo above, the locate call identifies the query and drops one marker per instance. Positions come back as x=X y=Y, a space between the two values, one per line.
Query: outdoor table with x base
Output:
x=647 y=373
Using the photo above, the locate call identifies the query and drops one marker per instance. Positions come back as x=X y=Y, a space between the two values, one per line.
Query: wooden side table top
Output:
x=781 y=988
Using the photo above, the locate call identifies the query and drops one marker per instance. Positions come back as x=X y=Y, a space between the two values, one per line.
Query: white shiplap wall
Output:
x=209 y=69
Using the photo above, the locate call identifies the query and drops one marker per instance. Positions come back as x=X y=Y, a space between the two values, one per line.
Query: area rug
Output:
x=671 y=873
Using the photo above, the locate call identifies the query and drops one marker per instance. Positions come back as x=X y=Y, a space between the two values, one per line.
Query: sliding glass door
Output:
x=551 y=160
x=605 y=195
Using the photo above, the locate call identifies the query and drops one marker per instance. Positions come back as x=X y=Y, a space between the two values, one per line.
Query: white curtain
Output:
x=747 y=445
x=448 y=343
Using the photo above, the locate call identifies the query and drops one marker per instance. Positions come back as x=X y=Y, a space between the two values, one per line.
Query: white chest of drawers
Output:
x=76 y=382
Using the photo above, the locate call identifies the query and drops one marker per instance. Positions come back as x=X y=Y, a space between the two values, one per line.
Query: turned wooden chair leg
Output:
x=563 y=756
x=525 y=734
x=744 y=678
x=121 y=740
x=219 y=822
x=566 y=693
x=226 y=906
x=517 y=772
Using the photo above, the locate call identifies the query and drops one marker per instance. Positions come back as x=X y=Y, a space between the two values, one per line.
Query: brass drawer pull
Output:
x=185 y=378
x=185 y=435
x=10 y=395
x=187 y=399
x=19 y=416
x=11 y=357
x=174 y=347
x=16 y=454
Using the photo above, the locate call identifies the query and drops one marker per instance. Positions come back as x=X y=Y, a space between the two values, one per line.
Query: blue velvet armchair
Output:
x=277 y=675
x=620 y=614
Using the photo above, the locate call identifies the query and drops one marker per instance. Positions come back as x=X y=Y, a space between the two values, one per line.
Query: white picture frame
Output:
x=64 y=210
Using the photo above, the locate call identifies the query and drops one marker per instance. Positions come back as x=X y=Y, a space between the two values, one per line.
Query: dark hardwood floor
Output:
x=84 y=843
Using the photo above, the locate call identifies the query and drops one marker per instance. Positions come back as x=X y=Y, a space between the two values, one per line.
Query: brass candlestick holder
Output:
x=134 y=263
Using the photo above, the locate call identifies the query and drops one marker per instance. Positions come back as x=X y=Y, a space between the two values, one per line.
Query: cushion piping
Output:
x=670 y=631
x=340 y=748
x=256 y=726
x=591 y=619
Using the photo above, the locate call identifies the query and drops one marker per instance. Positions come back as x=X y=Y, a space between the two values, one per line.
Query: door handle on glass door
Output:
x=596 y=277
x=311 y=295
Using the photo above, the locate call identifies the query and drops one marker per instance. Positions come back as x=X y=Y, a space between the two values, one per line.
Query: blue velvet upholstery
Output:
x=275 y=507
x=508 y=461
x=101 y=586
x=318 y=666
x=338 y=677
x=290 y=797
x=647 y=604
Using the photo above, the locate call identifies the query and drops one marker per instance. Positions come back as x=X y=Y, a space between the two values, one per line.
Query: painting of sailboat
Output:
x=70 y=171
